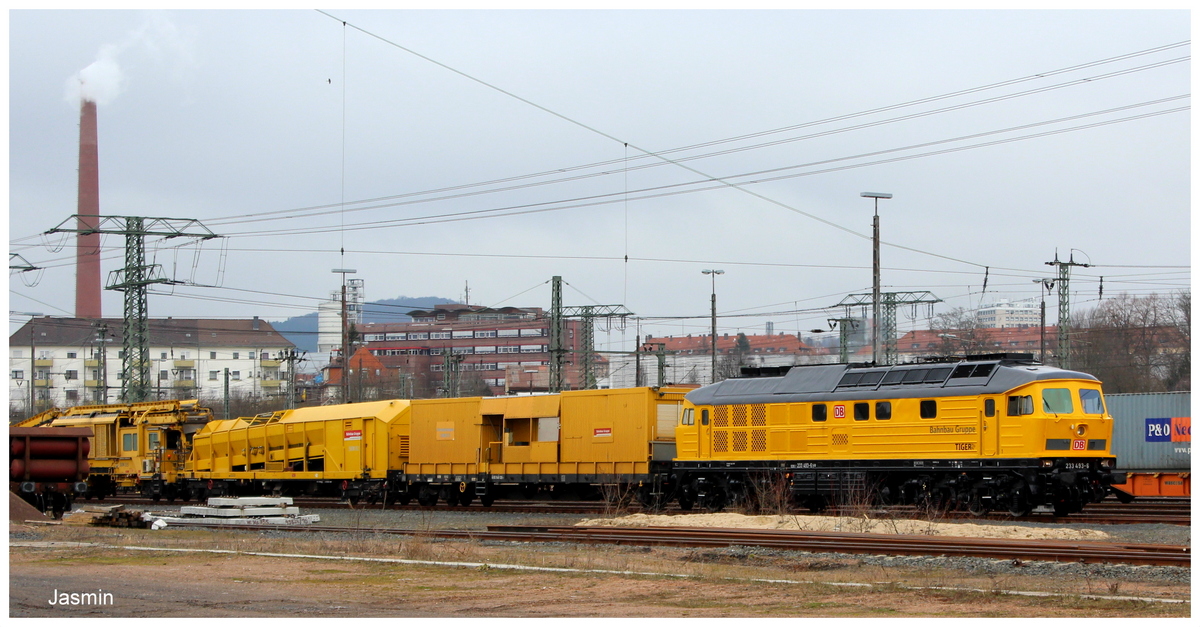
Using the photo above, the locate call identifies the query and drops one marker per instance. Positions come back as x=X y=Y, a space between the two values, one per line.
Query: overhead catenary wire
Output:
x=626 y=159
x=615 y=139
x=309 y=212
x=604 y=199
x=760 y=133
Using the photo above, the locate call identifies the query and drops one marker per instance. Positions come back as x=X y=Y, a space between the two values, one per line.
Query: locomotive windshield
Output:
x=1091 y=402
x=1057 y=401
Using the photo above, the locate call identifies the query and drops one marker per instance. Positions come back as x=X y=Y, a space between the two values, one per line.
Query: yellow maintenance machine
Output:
x=135 y=447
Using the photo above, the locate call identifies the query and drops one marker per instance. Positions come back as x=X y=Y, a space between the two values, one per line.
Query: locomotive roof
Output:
x=846 y=382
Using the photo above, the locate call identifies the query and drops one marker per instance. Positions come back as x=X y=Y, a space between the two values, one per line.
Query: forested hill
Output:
x=302 y=330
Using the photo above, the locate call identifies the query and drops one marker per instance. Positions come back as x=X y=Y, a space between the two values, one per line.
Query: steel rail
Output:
x=1104 y=513
x=809 y=541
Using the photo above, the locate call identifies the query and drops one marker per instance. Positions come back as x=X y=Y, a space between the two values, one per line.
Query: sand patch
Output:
x=846 y=524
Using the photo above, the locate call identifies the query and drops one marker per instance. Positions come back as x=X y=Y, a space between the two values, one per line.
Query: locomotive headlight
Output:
x=1080 y=429
x=1106 y=463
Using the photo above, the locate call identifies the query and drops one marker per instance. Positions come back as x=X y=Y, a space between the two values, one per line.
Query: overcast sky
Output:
x=1004 y=136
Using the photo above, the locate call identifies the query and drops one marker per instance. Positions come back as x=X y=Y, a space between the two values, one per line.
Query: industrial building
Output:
x=446 y=348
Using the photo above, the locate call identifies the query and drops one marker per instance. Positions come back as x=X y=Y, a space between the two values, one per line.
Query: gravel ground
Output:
x=479 y=519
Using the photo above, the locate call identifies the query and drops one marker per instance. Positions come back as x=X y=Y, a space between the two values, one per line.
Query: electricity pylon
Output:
x=134 y=280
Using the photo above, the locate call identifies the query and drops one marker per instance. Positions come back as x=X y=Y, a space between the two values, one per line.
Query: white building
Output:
x=1008 y=315
x=329 y=318
x=73 y=361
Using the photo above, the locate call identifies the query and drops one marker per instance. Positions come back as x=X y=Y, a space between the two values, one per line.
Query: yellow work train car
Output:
x=346 y=450
x=136 y=447
x=998 y=433
x=452 y=450
x=622 y=440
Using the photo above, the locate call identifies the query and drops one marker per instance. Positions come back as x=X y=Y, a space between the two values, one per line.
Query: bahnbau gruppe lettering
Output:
x=952 y=429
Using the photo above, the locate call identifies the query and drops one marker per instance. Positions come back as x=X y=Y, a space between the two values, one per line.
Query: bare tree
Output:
x=1137 y=344
x=730 y=366
x=960 y=332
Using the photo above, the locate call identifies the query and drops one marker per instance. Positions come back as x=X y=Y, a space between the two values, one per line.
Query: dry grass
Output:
x=708 y=567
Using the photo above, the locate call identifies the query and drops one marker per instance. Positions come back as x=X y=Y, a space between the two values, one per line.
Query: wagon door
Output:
x=353 y=442
x=989 y=427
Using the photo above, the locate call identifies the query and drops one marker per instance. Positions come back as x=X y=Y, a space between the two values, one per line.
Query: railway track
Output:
x=808 y=541
x=1112 y=512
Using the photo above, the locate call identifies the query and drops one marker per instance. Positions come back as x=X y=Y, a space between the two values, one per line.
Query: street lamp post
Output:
x=1049 y=285
x=33 y=315
x=345 y=357
x=714 y=274
x=875 y=279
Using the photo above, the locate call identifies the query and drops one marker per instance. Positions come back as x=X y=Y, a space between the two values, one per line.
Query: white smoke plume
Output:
x=99 y=82
x=156 y=40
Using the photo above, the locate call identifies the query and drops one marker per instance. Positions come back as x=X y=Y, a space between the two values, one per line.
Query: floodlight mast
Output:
x=345 y=334
x=875 y=276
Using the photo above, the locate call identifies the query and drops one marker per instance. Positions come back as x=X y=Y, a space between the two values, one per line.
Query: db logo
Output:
x=839 y=411
x=1078 y=445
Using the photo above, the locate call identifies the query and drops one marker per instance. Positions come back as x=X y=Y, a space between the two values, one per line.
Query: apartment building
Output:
x=63 y=362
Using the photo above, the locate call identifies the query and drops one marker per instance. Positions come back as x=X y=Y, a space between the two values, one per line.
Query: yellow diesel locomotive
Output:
x=989 y=433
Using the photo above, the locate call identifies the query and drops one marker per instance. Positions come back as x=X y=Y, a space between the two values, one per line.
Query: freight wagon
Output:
x=48 y=467
x=1152 y=439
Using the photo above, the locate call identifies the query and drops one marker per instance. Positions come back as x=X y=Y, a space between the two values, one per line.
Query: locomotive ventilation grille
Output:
x=758 y=415
x=739 y=417
x=721 y=416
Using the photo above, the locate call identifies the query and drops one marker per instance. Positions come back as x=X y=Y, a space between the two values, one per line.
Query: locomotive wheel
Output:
x=487 y=499
x=427 y=496
x=714 y=501
x=976 y=506
x=1018 y=502
x=1066 y=507
x=450 y=495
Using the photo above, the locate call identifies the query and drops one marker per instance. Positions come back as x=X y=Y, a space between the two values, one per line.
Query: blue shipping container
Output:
x=1152 y=432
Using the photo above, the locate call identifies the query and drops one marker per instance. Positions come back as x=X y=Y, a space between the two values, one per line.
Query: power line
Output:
x=626 y=158
x=604 y=199
x=626 y=143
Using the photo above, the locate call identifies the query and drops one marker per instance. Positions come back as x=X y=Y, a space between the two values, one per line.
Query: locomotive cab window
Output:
x=1020 y=405
x=689 y=417
x=989 y=407
x=819 y=412
x=1057 y=401
x=862 y=411
x=929 y=409
x=1091 y=402
x=883 y=410
x=704 y=417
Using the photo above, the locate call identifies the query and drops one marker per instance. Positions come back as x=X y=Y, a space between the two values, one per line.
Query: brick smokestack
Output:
x=87 y=265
